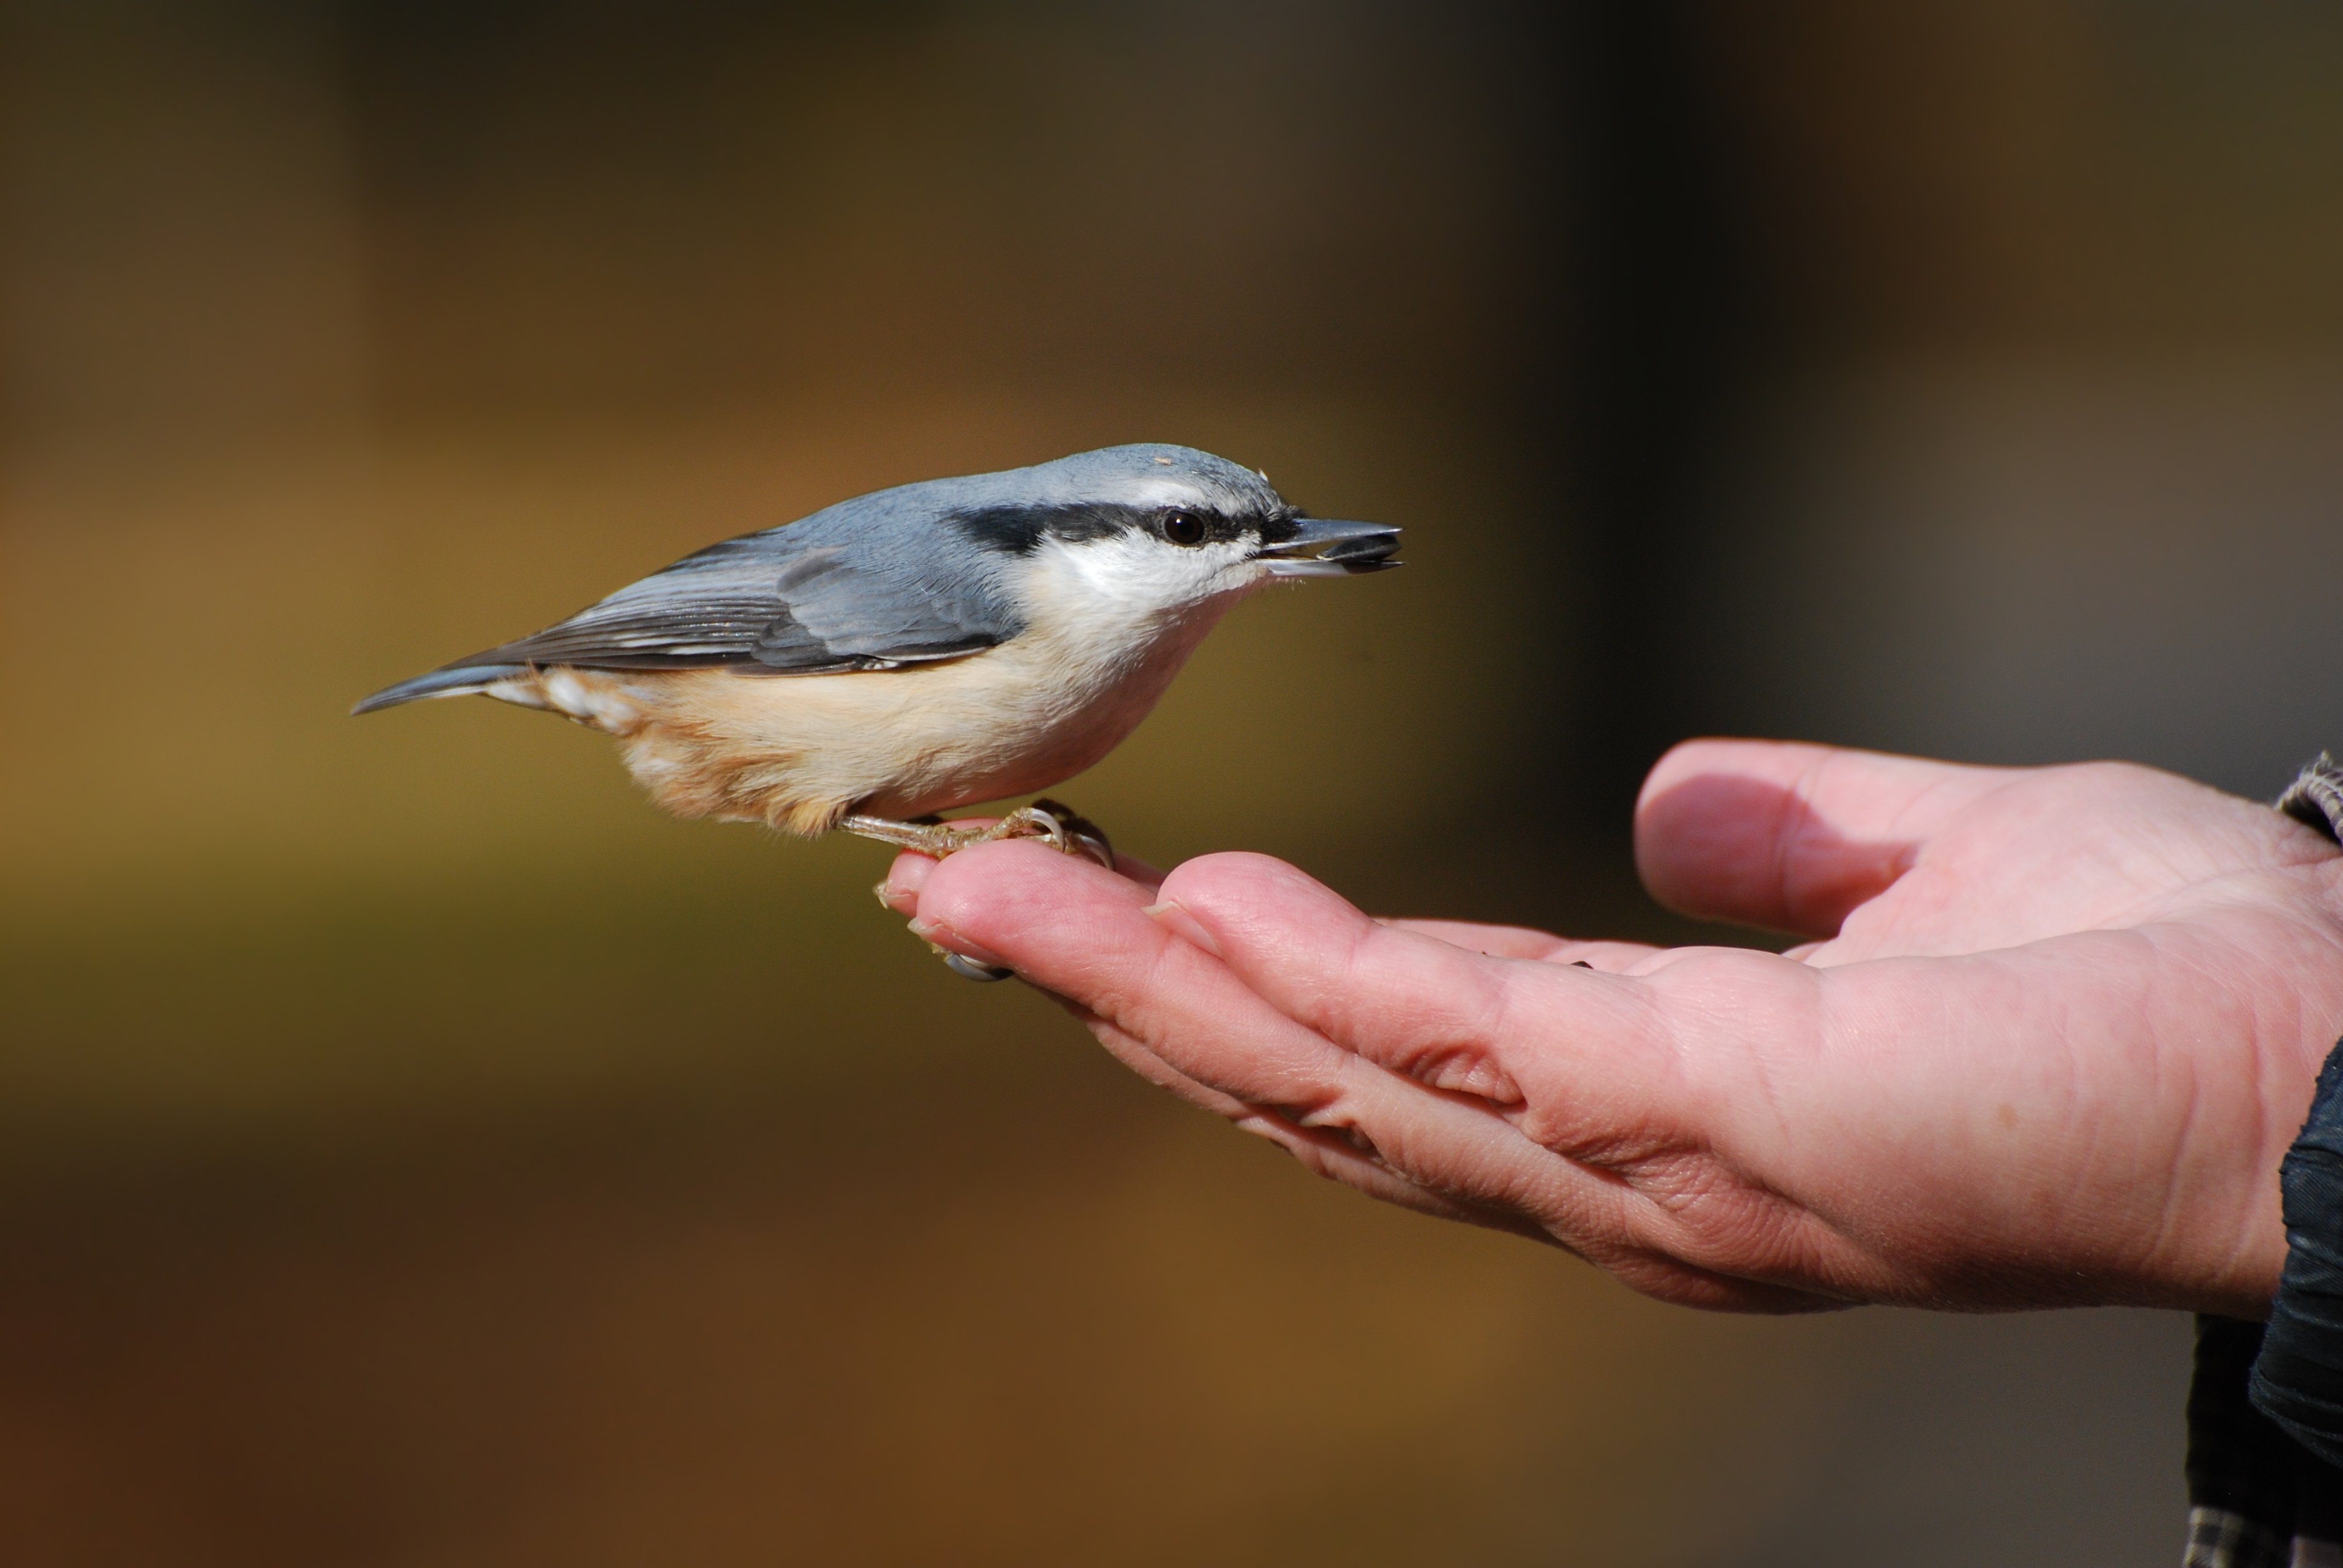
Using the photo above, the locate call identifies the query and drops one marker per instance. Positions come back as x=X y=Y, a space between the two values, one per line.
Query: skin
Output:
x=2053 y=1032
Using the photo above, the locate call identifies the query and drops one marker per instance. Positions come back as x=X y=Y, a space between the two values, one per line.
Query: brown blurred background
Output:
x=414 y=1149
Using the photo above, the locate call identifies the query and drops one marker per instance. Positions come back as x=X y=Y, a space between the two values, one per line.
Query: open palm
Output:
x=2052 y=1036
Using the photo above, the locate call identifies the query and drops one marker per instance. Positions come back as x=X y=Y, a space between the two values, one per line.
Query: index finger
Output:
x=1072 y=929
x=911 y=870
x=1523 y=942
x=1428 y=1009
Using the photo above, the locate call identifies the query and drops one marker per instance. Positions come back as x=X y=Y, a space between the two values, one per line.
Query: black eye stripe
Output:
x=1017 y=531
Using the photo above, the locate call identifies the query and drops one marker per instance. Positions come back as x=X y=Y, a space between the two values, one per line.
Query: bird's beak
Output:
x=1319 y=548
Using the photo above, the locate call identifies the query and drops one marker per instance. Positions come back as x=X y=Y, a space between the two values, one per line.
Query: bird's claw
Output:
x=1060 y=826
x=1051 y=822
x=1069 y=832
x=968 y=967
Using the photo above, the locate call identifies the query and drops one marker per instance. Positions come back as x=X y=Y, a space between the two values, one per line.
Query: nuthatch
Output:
x=920 y=648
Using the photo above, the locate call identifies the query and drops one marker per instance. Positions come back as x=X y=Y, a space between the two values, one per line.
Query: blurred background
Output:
x=415 y=1149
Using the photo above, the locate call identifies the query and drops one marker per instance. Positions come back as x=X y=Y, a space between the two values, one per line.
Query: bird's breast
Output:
x=1009 y=721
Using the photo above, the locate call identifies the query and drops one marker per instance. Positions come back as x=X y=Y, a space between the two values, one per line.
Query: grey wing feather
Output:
x=837 y=610
x=768 y=604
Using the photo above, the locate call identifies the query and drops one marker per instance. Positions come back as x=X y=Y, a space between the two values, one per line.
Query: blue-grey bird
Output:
x=922 y=649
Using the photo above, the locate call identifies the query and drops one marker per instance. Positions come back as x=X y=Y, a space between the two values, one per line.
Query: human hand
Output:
x=2055 y=1034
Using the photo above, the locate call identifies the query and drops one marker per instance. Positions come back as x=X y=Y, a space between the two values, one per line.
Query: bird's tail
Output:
x=461 y=679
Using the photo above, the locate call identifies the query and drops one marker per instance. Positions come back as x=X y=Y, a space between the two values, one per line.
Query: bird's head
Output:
x=1150 y=531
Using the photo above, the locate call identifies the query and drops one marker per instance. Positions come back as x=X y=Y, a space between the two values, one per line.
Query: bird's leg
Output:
x=1060 y=827
x=1063 y=828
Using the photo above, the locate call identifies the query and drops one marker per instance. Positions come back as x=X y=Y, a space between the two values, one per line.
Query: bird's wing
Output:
x=767 y=604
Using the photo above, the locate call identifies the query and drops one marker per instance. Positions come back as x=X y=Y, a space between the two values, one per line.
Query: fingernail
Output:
x=943 y=939
x=905 y=877
x=1182 y=924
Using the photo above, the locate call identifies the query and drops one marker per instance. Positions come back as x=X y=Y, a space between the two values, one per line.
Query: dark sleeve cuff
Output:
x=2298 y=1379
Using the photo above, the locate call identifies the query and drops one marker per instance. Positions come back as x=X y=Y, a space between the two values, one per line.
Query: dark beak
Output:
x=1319 y=548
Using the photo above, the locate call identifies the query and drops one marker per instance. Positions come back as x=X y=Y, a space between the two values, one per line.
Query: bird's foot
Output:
x=1072 y=833
x=1060 y=826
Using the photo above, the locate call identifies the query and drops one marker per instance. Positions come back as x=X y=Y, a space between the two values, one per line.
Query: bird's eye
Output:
x=1184 y=528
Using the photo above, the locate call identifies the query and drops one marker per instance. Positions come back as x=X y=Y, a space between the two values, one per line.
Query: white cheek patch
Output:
x=1134 y=574
x=1104 y=602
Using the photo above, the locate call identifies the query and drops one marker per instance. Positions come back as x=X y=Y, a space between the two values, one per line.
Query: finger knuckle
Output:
x=1697 y=1210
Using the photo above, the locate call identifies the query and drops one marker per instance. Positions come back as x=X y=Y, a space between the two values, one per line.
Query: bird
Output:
x=922 y=649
